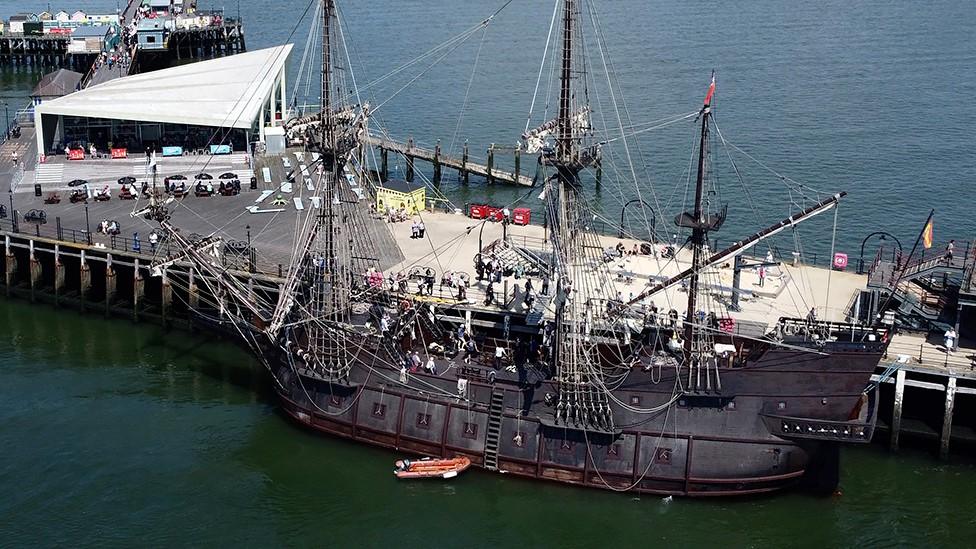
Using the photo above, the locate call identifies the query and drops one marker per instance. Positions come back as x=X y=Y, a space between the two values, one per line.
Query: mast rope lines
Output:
x=743 y=245
x=457 y=42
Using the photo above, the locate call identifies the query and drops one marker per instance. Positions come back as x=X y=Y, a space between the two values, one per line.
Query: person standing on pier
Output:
x=762 y=276
x=950 y=247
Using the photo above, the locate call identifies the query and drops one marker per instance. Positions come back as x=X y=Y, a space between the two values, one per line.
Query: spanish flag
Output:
x=711 y=91
x=928 y=234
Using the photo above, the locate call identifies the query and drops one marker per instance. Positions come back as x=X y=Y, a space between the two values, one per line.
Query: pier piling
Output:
x=950 y=400
x=491 y=163
x=166 y=298
x=138 y=290
x=58 y=275
x=111 y=284
x=10 y=271
x=35 y=272
x=85 y=281
x=896 y=411
x=437 y=162
x=409 y=159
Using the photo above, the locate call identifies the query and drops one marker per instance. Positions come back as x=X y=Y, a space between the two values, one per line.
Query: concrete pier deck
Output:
x=451 y=240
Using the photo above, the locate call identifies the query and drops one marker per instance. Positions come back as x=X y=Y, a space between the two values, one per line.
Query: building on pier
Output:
x=56 y=84
x=228 y=100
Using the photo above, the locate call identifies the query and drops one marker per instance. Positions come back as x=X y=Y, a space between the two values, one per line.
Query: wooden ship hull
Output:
x=776 y=423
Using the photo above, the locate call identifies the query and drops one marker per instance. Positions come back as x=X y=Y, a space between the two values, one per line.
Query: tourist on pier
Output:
x=950 y=247
x=421 y=229
x=415 y=229
x=950 y=340
x=762 y=276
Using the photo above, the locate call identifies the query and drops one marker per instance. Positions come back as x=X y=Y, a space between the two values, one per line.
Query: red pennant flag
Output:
x=711 y=91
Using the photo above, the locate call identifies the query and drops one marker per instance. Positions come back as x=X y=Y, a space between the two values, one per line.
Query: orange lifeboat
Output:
x=431 y=468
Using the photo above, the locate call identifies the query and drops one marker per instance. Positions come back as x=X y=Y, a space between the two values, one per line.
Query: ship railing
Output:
x=840 y=330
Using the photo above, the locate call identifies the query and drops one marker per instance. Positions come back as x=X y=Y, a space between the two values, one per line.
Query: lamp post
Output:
x=882 y=234
x=480 y=267
x=646 y=205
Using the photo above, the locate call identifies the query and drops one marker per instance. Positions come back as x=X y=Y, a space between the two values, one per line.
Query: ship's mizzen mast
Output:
x=699 y=234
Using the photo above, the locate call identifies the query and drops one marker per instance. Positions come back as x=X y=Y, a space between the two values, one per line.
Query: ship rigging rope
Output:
x=483 y=24
x=611 y=74
x=650 y=460
x=830 y=270
x=662 y=123
x=467 y=91
x=542 y=66
x=375 y=355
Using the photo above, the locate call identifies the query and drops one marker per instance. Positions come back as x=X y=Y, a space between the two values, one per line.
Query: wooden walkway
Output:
x=463 y=165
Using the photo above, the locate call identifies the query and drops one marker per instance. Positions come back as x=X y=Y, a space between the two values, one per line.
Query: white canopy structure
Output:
x=236 y=91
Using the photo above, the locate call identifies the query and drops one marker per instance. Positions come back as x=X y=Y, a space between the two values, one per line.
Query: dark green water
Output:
x=120 y=435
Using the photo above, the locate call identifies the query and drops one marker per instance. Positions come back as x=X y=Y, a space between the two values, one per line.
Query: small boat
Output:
x=431 y=468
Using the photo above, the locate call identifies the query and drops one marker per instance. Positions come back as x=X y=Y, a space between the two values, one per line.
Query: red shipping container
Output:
x=521 y=216
x=478 y=211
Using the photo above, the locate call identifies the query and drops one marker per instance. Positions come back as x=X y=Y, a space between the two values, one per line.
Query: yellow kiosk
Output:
x=397 y=194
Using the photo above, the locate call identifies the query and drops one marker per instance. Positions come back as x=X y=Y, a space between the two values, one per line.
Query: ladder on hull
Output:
x=494 y=431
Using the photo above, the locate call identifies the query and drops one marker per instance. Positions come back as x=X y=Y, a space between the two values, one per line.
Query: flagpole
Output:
x=901 y=271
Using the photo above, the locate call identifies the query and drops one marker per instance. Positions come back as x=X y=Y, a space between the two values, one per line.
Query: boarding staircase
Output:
x=537 y=313
x=494 y=431
x=513 y=257
x=926 y=289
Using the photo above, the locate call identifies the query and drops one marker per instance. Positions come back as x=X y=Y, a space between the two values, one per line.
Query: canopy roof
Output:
x=227 y=92
x=57 y=83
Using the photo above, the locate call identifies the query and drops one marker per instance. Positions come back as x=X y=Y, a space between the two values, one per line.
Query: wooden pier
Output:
x=51 y=50
x=464 y=166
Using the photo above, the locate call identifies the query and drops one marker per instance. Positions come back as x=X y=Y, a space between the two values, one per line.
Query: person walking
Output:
x=499 y=355
x=950 y=340
x=470 y=350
